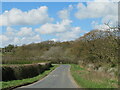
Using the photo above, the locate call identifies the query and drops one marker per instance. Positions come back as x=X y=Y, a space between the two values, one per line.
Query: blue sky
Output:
x=29 y=22
x=54 y=7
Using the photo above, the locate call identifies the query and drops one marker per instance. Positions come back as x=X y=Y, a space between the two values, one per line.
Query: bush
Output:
x=17 y=72
x=7 y=73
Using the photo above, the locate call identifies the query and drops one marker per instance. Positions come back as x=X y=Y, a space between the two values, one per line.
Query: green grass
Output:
x=88 y=79
x=15 y=83
x=0 y=54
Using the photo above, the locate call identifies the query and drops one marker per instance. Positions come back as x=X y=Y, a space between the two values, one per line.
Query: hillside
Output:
x=95 y=49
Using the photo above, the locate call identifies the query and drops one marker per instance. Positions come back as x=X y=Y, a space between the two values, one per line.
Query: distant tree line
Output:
x=8 y=48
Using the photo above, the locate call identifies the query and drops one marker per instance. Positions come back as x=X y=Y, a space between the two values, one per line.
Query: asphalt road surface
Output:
x=58 y=78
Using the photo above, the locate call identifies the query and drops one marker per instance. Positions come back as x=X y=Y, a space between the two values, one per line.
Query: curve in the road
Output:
x=59 y=78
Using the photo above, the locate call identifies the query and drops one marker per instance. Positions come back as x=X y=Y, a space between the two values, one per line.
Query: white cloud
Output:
x=106 y=0
x=36 y=38
x=24 y=35
x=96 y=25
x=62 y=30
x=96 y=9
x=16 y=40
x=113 y=20
x=10 y=31
x=70 y=35
x=32 y=17
x=3 y=40
x=27 y=40
x=50 y=28
x=107 y=11
x=54 y=39
x=25 y=31
x=65 y=13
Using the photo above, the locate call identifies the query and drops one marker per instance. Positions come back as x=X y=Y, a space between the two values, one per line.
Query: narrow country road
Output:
x=59 y=78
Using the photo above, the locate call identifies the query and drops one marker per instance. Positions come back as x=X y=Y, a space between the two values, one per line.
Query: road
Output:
x=59 y=78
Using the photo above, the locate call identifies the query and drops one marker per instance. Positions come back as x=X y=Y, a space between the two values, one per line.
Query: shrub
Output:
x=7 y=73
x=16 y=72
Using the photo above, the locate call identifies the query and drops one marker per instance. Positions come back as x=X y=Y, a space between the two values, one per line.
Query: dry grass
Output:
x=93 y=79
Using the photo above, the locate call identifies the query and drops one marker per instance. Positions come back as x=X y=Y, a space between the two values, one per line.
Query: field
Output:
x=91 y=79
x=16 y=83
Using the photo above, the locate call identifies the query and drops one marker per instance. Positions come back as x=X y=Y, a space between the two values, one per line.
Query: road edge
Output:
x=72 y=79
x=40 y=79
x=26 y=84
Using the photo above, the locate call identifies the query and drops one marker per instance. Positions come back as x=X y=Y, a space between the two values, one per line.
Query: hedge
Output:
x=17 y=72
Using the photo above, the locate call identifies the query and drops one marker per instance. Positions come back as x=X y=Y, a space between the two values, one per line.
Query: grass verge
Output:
x=16 y=83
x=88 y=79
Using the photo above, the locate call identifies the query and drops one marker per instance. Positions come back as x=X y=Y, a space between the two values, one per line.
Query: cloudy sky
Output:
x=28 y=22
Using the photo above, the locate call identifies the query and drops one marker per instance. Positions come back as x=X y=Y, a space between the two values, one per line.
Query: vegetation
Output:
x=16 y=83
x=14 y=62
x=96 y=47
x=16 y=72
x=92 y=79
x=97 y=50
x=0 y=54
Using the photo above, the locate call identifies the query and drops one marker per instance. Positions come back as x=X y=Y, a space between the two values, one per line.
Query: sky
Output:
x=33 y=22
